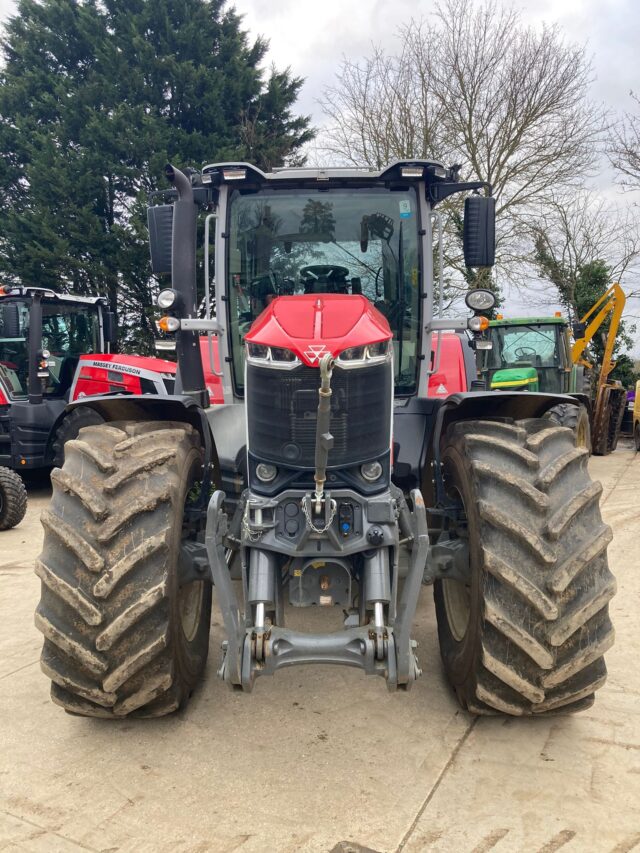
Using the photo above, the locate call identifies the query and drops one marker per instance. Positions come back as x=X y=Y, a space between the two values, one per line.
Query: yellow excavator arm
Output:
x=610 y=303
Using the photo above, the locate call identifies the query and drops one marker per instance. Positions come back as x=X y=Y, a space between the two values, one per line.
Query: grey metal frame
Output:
x=252 y=650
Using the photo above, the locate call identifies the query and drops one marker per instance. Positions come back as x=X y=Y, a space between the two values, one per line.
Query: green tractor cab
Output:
x=529 y=354
x=534 y=354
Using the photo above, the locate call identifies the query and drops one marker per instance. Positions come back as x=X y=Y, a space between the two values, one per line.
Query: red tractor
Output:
x=355 y=486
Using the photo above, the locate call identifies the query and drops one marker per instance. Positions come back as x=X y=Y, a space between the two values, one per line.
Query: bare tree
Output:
x=473 y=85
x=574 y=230
x=624 y=147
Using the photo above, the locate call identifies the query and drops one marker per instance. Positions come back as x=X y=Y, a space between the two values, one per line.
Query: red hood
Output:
x=312 y=324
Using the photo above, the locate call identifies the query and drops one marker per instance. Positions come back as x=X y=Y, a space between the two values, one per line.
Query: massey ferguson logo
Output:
x=111 y=365
x=315 y=353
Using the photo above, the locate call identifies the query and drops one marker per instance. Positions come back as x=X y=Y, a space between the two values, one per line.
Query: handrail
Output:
x=207 y=290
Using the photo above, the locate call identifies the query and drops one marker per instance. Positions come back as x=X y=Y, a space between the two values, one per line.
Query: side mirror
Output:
x=479 y=232
x=579 y=330
x=160 y=222
x=10 y=321
x=109 y=327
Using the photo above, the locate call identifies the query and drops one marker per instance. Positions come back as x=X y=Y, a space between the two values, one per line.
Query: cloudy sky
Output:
x=312 y=37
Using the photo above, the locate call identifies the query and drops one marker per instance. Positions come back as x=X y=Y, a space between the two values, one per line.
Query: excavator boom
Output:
x=609 y=400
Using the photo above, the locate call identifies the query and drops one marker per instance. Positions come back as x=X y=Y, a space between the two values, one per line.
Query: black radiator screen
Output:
x=282 y=408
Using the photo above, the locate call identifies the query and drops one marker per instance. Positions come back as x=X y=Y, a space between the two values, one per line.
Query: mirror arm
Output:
x=441 y=190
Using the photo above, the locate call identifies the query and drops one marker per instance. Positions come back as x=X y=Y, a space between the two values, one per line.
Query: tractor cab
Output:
x=43 y=335
x=528 y=354
x=329 y=240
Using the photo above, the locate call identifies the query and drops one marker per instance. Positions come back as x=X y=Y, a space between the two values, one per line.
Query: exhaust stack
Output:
x=183 y=281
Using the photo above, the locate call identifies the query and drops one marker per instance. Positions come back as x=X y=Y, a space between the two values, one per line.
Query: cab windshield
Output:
x=288 y=242
x=68 y=331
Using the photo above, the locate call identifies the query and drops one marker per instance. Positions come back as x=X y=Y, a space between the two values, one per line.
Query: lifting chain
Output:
x=252 y=535
x=307 y=515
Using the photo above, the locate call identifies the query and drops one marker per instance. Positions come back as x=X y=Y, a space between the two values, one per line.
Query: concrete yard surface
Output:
x=323 y=759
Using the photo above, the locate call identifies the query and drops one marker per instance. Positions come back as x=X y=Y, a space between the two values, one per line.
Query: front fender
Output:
x=130 y=407
x=478 y=406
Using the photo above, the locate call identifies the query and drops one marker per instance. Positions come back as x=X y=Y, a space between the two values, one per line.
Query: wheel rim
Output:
x=191 y=595
x=457 y=603
x=581 y=434
x=457 y=595
x=190 y=604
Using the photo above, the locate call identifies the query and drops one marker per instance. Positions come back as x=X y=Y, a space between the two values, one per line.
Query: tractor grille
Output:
x=282 y=408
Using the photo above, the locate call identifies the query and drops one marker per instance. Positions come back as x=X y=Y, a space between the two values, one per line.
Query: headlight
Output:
x=280 y=357
x=372 y=353
x=371 y=471
x=480 y=299
x=167 y=298
x=266 y=472
x=352 y=354
x=282 y=354
x=258 y=351
x=378 y=350
x=478 y=324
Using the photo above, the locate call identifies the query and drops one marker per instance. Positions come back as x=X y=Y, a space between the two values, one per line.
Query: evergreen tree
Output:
x=95 y=99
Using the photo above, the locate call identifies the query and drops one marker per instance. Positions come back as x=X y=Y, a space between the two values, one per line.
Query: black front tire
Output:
x=636 y=436
x=528 y=632
x=13 y=499
x=121 y=636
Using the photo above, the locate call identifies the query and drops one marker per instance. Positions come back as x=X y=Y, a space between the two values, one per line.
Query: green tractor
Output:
x=535 y=354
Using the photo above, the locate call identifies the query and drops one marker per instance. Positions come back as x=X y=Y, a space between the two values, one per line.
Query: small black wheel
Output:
x=13 y=499
x=69 y=428
x=636 y=436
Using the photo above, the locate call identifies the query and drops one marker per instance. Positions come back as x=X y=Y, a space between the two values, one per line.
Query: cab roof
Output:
x=47 y=293
x=429 y=170
x=528 y=321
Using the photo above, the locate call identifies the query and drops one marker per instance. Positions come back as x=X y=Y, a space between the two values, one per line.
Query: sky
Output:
x=312 y=37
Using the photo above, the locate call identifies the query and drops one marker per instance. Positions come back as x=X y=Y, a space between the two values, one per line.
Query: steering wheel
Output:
x=317 y=271
x=523 y=352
